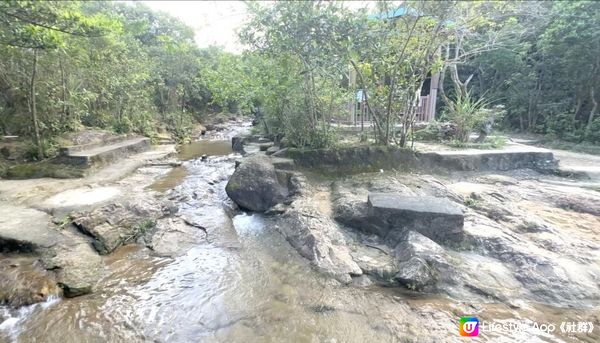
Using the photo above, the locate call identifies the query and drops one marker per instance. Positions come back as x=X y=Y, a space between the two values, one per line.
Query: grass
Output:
x=491 y=142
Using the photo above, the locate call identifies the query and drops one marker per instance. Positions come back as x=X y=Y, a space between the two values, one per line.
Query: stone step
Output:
x=392 y=215
x=104 y=154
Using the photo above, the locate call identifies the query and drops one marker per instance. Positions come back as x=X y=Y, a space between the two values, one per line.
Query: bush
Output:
x=436 y=131
x=593 y=134
x=49 y=148
x=563 y=126
x=466 y=113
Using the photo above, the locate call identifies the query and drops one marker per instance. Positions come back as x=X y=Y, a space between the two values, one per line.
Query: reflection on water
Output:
x=189 y=152
x=173 y=178
x=205 y=147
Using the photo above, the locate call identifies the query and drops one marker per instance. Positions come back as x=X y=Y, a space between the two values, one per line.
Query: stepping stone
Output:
x=391 y=215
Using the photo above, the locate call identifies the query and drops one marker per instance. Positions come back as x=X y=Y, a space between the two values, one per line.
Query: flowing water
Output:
x=244 y=283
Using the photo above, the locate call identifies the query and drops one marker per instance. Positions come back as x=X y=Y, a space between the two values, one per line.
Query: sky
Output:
x=215 y=22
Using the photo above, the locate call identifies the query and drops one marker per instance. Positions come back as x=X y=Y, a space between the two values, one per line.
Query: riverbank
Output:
x=305 y=269
x=480 y=236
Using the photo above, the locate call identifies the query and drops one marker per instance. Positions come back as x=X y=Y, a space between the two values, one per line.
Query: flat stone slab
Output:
x=79 y=198
x=391 y=215
x=25 y=229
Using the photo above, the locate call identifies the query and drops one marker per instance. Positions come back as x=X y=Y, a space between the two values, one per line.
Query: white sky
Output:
x=215 y=22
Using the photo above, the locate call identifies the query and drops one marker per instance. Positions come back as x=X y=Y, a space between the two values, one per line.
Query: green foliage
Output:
x=49 y=148
x=593 y=133
x=115 y=66
x=491 y=142
x=466 y=113
x=546 y=69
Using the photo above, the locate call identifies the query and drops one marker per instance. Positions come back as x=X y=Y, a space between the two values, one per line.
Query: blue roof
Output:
x=395 y=13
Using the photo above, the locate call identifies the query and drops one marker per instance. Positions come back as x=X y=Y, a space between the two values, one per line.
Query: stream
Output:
x=242 y=283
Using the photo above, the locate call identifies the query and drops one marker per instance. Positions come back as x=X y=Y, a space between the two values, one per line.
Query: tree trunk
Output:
x=64 y=114
x=33 y=108
x=594 y=109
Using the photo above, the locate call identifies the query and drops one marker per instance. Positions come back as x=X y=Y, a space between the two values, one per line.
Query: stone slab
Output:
x=391 y=215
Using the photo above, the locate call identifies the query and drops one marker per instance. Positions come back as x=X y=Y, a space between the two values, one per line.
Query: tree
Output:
x=40 y=26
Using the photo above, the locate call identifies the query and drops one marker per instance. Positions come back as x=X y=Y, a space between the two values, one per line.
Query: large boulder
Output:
x=254 y=185
x=392 y=215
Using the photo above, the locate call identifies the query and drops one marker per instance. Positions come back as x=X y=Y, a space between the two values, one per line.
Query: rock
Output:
x=118 y=223
x=23 y=282
x=173 y=236
x=254 y=185
x=317 y=238
x=376 y=262
x=283 y=163
x=237 y=144
x=349 y=205
x=362 y=281
x=25 y=229
x=76 y=265
x=415 y=244
x=272 y=150
x=265 y=146
x=392 y=215
x=79 y=199
x=280 y=152
x=415 y=274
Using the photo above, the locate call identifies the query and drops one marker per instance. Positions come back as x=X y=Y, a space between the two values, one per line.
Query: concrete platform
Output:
x=509 y=158
x=98 y=155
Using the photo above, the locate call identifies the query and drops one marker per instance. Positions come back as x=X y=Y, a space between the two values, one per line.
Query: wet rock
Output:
x=75 y=263
x=23 y=282
x=118 y=223
x=254 y=185
x=237 y=144
x=25 y=229
x=317 y=238
x=173 y=236
x=415 y=274
x=392 y=215
x=375 y=261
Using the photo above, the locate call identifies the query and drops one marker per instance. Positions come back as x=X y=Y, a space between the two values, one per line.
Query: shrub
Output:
x=593 y=134
x=466 y=113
